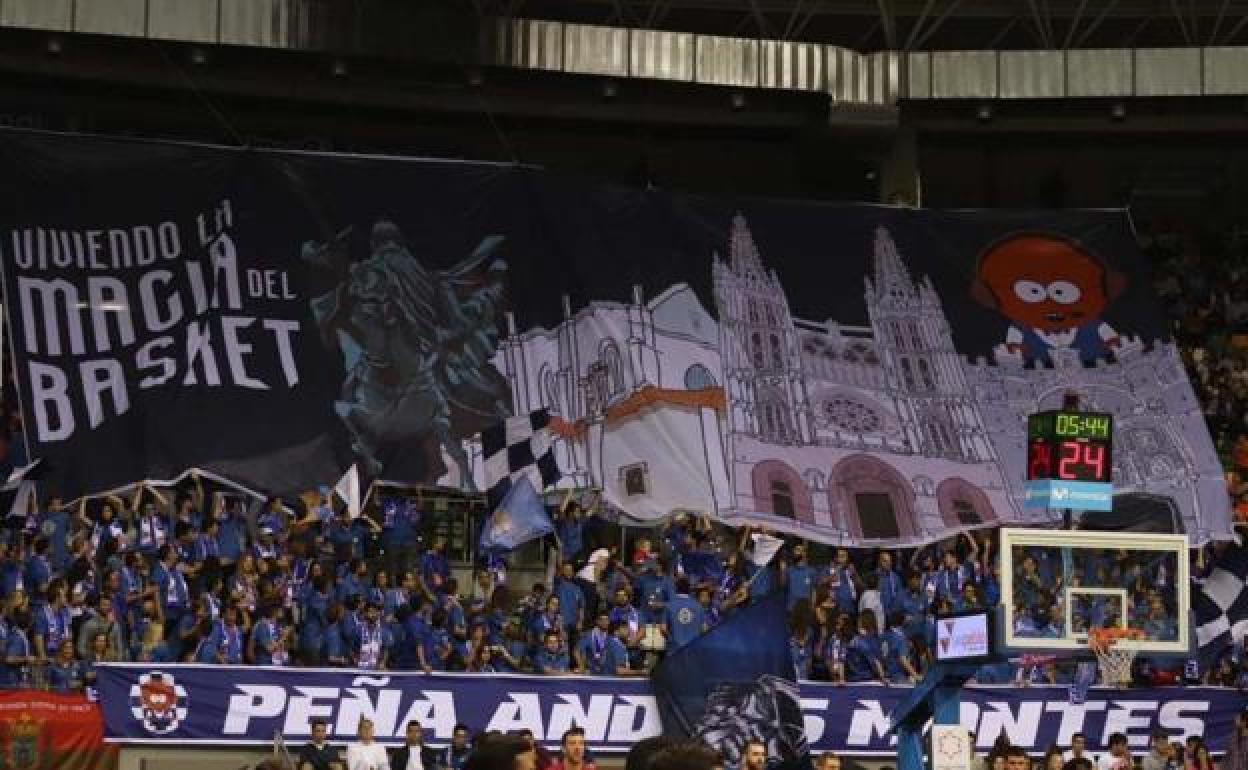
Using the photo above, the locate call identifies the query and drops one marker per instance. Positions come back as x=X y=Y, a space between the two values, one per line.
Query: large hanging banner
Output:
x=46 y=731
x=854 y=374
x=193 y=704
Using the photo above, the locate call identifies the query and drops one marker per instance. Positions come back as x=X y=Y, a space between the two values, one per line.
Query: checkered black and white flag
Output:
x=515 y=447
x=1220 y=604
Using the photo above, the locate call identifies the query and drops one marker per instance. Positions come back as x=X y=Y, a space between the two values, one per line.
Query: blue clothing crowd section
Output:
x=193 y=574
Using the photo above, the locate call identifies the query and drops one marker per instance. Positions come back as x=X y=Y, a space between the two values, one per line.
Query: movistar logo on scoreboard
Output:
x=1075 y=495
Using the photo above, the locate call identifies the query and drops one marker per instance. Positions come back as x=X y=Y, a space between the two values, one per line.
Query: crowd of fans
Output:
x=180 y=574
x=1204 y=290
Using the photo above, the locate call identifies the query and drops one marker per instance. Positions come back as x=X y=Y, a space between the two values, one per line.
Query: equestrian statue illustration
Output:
x=417 y=345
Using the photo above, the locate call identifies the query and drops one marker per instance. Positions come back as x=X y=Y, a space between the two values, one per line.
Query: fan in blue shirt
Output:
x=398 y=531
x=352 y=582
x=399 y=596
x=268 y=640
x=65 y=675
x=801 y=650
x=864 y=657
x=571 y=529
x=897 y=651
x=174 y=593
x=571 y=597
x=600 y=652
x=230 y=638
x=314 y=606
x=54 y=527
x=336 y=650
x=799 y=577
x=685 y=619
x=229 y=532
x=890 y=583
x=551 y=659
x=653 y=591
x=950 y=578
x=843 y=579
x=38 y=570
x=436 y=645
x=18 y=654
x=434 y=567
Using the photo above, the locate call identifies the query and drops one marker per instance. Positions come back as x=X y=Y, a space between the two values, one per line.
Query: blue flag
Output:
x=701 y=567
x=521 y=517
x=735 y=683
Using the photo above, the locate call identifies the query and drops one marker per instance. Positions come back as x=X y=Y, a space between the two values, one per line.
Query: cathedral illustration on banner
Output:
x=836 y=432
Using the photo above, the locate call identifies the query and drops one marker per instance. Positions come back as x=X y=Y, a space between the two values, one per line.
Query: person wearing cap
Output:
x=264 y=547
x=272 y=516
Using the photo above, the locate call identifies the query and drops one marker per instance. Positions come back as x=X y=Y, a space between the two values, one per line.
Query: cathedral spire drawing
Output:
x=892 y=282
x=743 y=252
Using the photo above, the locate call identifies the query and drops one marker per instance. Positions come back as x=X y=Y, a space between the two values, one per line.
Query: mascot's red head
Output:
x=158 y=696
x=1045 y=282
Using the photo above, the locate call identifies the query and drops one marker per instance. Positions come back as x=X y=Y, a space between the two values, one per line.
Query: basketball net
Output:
x=1113 y=659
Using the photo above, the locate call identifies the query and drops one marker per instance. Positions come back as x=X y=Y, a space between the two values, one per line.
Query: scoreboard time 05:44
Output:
x=1070 y=446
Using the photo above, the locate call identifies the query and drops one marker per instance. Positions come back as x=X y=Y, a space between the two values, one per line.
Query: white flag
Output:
x=765 y=548
x=22 y=499
x=348 y=488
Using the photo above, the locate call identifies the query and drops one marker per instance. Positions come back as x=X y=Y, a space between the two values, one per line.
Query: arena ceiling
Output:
x=869 y=25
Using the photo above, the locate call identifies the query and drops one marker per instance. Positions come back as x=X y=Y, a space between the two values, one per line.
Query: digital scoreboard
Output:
x=1070 y=460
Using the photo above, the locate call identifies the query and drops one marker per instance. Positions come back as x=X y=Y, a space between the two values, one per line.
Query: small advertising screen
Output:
x=959 y=637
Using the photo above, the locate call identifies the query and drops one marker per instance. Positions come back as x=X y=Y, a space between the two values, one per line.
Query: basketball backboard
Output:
x=1056 y=584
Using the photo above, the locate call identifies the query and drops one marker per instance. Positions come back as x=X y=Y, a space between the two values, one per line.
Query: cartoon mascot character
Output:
x=159 y=702
x=1053 y=291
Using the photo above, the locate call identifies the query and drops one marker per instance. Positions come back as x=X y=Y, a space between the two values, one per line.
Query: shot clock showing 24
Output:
x=1070 y=460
